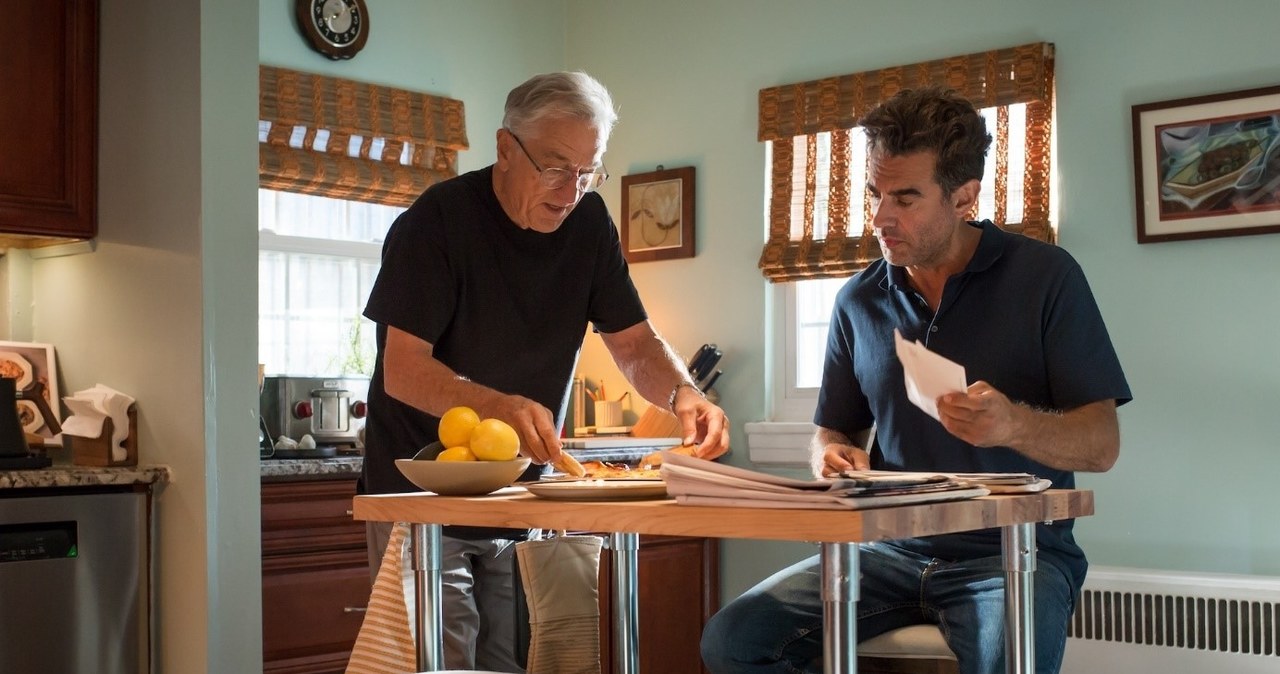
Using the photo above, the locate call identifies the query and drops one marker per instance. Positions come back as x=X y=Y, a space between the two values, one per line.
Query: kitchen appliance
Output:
x=329 y=409
x=14 y=453
x=74 y=581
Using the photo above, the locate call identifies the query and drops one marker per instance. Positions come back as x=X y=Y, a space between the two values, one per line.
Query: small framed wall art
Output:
x=35 y=372
x=1208 y=166
x=657 y=215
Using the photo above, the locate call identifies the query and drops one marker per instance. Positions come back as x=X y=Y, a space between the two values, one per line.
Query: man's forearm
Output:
x=648 y=362
x=1086 y=438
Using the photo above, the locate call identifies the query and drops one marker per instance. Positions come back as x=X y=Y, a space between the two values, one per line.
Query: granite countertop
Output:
x=60 y=475
x=284 y=470
x=271 y=470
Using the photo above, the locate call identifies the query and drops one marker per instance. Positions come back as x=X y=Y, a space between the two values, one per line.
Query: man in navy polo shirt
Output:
x=1019 y=316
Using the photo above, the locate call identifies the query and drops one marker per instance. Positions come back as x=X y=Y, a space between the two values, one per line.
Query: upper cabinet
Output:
x=49 y=122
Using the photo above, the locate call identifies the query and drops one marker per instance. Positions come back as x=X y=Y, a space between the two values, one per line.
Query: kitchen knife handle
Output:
x=711 y=381
x=702 y=366
x=696 y=360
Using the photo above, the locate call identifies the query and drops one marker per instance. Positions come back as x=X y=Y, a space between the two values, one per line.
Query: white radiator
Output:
x=1140 y=620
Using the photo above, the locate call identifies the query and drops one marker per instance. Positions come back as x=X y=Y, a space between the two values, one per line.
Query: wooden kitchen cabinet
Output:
x=315 y=585
x=315 y=576
x=48 y=122
x=679 y=586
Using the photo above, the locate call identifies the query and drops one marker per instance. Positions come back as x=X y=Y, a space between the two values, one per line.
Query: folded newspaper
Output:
x=700 y=482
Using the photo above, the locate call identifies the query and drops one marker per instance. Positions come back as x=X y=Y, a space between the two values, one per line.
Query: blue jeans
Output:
x=776 y=627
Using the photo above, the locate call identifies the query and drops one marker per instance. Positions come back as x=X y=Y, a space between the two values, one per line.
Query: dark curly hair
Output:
x=931 y=119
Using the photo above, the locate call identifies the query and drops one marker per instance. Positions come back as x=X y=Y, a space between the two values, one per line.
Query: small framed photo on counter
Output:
x=35 y=369
x=657 y=215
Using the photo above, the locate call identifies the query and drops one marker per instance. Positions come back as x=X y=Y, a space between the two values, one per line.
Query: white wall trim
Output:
x=782 y=443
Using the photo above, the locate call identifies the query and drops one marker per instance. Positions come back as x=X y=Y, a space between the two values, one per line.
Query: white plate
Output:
x=10 y=362
x=29 y=416
x=597 y=489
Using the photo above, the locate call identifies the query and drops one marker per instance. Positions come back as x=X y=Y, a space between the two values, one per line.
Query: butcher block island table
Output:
x=838 y=532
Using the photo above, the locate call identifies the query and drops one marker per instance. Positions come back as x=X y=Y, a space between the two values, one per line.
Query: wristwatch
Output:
x=671 y=399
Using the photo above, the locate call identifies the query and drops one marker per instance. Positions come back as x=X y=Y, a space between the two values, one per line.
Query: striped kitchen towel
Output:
x=385 y=643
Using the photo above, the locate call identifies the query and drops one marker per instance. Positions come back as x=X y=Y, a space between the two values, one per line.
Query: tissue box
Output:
x=97 y=451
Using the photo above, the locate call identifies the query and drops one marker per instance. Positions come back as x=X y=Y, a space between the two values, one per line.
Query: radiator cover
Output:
x=1175 y=623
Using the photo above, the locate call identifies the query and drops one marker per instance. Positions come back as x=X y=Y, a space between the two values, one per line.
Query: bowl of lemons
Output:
x=473 y=457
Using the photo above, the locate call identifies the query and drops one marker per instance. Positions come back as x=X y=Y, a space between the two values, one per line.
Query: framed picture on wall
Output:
x=657 y=215
x=1208 y=166
x=35 y=371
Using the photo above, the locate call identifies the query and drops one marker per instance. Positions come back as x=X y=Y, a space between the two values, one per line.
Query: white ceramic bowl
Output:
x=461 y=478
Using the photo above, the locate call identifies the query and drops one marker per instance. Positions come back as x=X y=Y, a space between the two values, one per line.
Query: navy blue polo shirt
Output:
x=1020 y=316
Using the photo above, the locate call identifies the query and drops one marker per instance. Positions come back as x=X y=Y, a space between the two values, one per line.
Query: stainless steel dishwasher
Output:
x=74 y=582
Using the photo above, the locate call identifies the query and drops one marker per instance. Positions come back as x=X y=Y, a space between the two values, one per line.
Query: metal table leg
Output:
x=840 y=582
x=428 y=632
x=626 y=601
x=1018 y=547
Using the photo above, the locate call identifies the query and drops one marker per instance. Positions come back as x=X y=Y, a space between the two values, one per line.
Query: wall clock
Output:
x=336 y=28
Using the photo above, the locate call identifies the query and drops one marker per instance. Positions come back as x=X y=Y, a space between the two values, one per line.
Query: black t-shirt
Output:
x=503 y=306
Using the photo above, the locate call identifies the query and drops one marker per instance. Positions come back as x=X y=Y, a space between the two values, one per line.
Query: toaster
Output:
x=329 y=409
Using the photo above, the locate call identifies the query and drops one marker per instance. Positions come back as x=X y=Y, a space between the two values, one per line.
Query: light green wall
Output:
x=1193 y=321
x=165 y=308
x=685 y=76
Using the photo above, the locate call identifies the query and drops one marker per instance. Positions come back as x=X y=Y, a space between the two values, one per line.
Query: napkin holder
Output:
x=97 y=451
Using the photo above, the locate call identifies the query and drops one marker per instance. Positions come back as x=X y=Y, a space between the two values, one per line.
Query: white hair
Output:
x=576 y=95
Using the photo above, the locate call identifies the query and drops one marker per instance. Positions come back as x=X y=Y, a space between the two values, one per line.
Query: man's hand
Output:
x=702 y=422
x=537 y=428
x=981 y=416
x=1084 y=438
x=832 y=452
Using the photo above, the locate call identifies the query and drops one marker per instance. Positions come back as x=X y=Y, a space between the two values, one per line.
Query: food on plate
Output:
x=10 y=369
x=462 y=453
x=494 y=440
x=569 y=465
x=654 y=459
x=599 y=470
x=26 y=415
x=456 y=425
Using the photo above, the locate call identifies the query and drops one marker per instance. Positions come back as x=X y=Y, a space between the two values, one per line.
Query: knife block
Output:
x=97 y=451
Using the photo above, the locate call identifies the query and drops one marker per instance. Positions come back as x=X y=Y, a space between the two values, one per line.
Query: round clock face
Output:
x=336 y=28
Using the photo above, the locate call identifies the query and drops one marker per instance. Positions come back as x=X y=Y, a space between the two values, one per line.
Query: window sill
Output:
x=779 y=443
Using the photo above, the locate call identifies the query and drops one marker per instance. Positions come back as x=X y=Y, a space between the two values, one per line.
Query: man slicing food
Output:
x=487 y=286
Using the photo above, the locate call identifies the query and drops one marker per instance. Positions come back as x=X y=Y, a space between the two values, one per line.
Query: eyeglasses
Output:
x=555 y=178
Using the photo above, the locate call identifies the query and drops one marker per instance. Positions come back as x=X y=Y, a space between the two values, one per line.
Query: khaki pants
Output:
x=479 y=598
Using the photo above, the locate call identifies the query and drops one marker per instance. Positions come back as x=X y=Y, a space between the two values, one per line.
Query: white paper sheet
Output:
x=927 y=375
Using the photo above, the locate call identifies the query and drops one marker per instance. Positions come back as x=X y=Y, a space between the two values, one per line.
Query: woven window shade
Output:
x=338 y=138
x=794 y=117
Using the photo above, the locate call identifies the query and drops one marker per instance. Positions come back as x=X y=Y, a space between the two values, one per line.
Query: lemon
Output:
x=494 y=440
x=456 y=425
x=462 y=453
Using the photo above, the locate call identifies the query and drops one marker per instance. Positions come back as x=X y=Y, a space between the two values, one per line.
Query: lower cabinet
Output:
x=315 y=585
x=679 y=588
x=315 y=576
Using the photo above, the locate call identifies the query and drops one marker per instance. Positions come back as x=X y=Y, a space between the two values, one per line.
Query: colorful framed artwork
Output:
x=1208 y=166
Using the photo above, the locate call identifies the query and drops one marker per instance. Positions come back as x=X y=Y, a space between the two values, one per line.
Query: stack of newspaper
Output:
x=700 y=482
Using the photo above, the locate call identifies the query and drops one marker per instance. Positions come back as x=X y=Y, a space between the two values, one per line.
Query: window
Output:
x=338 y=160
x=317 y=260
x=816 y=202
